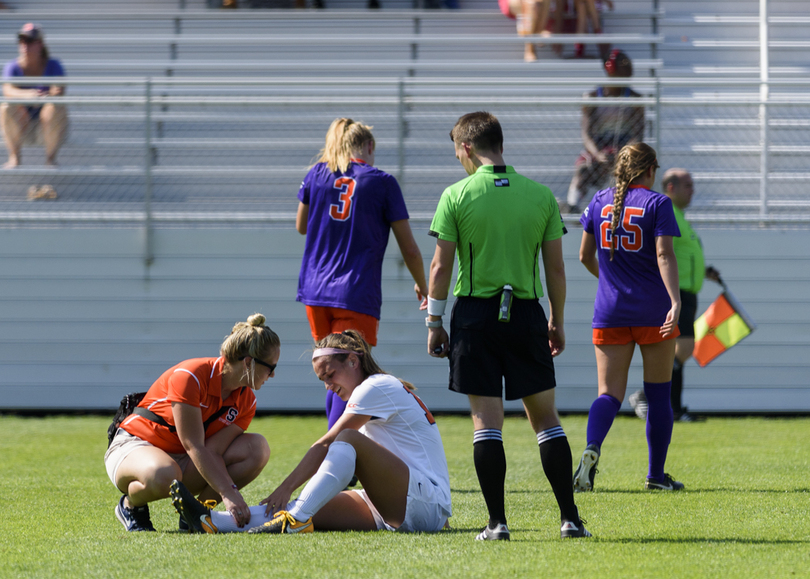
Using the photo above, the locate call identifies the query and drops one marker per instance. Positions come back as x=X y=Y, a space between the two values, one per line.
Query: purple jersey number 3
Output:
x=342 y=210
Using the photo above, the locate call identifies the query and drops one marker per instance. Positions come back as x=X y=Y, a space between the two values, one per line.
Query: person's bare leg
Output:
x=145 y=475
x=244 y=460
x=559 y=13
x=531 y=9
x=14 y=120
x=612 y=366
x=384 y=475
x=592 y=14
x=346 y=512
x=54 y=125
x=582 y=25
x=658 y=359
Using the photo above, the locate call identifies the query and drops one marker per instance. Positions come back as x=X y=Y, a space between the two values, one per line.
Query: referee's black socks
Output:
x=490 y=465
x=555 y=454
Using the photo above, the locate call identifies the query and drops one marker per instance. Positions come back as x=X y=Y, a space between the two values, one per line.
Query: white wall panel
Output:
x=83 y=320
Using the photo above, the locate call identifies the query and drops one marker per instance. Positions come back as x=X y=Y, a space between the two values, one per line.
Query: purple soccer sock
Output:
x=659 y=426
x=600 y=418
x=334 y=408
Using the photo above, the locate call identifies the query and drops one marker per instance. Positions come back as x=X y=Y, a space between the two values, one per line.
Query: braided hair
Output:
x=631 y=163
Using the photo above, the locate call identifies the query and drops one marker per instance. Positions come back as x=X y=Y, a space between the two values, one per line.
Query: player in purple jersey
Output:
x=627 y=244
x=347 y=209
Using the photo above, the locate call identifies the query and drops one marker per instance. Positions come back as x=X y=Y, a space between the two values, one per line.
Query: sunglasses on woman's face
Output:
x=26 y=40
x=271 y=367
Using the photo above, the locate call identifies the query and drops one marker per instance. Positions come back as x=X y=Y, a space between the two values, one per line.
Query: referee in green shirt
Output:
x=500 y=224
x=678 y=186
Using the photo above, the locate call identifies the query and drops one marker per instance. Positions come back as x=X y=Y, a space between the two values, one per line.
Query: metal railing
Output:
x=159 y=151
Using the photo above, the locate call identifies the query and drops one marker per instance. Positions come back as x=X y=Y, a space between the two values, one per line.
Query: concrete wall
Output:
x=83 y=321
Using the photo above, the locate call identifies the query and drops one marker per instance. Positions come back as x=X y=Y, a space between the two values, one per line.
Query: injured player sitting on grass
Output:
x=398 y=457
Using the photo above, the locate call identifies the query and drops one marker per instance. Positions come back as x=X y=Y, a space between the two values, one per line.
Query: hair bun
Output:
x=256 y=320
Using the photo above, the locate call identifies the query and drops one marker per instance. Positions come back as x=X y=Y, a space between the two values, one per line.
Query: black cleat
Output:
x=669 y=484
x=586 y=471
x=196 y=514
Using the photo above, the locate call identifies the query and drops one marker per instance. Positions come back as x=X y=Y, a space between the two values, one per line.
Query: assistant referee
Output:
x=501 y=223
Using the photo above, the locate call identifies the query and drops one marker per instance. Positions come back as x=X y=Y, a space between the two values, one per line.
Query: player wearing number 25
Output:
x=627 y=244
x=190 y=426
x=347 y=210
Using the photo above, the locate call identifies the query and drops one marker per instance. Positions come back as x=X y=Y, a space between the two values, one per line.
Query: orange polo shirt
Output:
x=198 y=383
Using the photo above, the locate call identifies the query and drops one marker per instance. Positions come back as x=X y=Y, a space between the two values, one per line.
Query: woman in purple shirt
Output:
x=18 y=120
x=627 y=244
x=347 y=209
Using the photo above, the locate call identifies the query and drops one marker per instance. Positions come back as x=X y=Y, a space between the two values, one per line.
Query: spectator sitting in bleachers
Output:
x=21 y=121
x=606 y=129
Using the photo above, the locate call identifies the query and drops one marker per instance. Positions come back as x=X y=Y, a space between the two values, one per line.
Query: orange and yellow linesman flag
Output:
x=720 y=327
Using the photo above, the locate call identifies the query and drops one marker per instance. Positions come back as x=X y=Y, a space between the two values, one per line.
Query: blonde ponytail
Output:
x=343 y=138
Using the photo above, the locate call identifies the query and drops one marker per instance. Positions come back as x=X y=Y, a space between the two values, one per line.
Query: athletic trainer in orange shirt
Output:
x=191 y=426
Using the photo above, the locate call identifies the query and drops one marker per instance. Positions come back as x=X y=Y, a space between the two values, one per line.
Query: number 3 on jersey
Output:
x=632 y=240
x=342 y=210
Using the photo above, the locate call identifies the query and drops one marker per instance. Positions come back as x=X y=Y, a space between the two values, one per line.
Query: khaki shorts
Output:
x=122 y=445
x=423 y=514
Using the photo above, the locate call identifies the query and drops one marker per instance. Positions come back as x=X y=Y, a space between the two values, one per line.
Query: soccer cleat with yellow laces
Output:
x=195 y=512
x=284 y=522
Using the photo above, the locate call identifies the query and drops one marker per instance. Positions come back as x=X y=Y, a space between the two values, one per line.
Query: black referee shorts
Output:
x=485 y=354
x=686 y=322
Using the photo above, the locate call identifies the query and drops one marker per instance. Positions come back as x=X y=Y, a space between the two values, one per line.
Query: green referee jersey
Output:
x=689 y=255
x=498 y=220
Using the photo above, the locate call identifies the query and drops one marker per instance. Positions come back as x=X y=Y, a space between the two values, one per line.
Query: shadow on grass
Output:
x=642 y=491
x=691 y=490
x=472 y=531
x=647 y=540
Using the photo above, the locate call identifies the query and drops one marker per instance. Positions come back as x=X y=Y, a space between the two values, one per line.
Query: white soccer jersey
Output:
x=401 y=422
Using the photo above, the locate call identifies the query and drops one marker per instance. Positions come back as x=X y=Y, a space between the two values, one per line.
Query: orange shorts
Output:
x=641 y=335
x=324 y=320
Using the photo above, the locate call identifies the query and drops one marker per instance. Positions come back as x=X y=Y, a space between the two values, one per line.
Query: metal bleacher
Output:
x=277 y=77
x=307 y=75
x=191 y=128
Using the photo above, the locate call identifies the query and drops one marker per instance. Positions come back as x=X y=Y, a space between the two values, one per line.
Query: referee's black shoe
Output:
x=572 y=530
x=499 y=533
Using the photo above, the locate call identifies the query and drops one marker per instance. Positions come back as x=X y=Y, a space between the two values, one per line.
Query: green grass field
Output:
x=745 y=513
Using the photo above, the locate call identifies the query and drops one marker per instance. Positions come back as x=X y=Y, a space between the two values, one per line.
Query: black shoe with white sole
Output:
x=668 y=484
x=499 y=533
x=572 y=530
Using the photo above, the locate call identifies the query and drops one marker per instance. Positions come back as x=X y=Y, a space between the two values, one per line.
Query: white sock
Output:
x=335 y=472
x=225 y=523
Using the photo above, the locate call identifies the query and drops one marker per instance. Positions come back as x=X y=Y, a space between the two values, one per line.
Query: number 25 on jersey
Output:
x=631 y=239
x=342 y=210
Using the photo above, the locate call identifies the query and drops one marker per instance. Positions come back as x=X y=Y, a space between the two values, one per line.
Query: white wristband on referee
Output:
x=436 y=307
